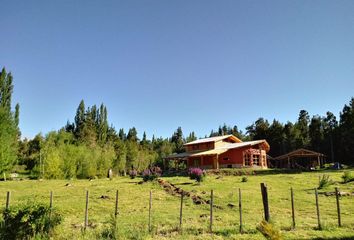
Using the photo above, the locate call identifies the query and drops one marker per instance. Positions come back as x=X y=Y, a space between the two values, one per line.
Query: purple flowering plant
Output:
x=197 y=174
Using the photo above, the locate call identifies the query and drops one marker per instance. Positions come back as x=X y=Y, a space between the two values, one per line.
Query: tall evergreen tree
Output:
x=178 y=140
x=346 y=127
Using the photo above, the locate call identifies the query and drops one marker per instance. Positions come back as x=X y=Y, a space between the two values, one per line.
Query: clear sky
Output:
x=160 y=64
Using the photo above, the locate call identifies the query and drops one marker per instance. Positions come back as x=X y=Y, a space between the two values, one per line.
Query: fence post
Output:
x=8 y=200
x=292 y=207
x=50 y=204
x=211 y=210
x=116 y=206
x=240 y=209
x=150 y=206
x=180 y=213
x=264 y=191
x=338 y=208
x=86 y=210
x=318 y=210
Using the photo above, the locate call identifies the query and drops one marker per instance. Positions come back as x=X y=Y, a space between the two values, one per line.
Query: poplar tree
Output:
x=9 y=132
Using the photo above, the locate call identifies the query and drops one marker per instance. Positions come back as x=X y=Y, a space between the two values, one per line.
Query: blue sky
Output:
x=158 y=65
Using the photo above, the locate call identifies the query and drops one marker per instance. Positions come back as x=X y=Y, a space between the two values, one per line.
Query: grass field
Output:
x=134 y=203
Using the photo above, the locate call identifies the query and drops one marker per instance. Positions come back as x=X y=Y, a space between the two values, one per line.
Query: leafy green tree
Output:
x=9 y=131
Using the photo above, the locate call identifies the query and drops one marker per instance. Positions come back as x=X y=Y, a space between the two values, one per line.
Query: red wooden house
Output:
x=223 y=152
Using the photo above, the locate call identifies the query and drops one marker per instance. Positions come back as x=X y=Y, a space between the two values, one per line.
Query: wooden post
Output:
x=8 y=200
x=116 y=207
x=51 y=200
x=86 y=210
x=211 y=210
x=265 y=201
x=180 y=213
x=50 y=204
x=338 y=208
x=318 y=210
x=240 y=209
x=292 y=207
x=150 y=206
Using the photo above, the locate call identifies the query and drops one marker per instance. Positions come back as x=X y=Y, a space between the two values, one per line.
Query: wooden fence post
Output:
x=116 y=206
x=8 y=200
x=211 y=210
x=264 y=191
x=51 y=200
x=150 y=206
x=50 y=204
x=240 y=209
x=338 y=208
x=86 y=210
x=180 y=213
x=318 y=210
x=292 y=207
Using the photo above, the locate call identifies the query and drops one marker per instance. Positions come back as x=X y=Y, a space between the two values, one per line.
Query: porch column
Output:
x=318 y=160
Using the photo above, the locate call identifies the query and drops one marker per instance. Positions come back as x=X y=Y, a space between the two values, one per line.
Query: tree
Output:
x=132 y=135
x=302 y=125
x=346 y=128
x=316 y=133
x=9 y=131
x=178 y=141
x=191 y=137
x=330 y=129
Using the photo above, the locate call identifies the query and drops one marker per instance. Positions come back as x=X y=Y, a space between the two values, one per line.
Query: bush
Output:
x=133 y=173
x=28 y=221
x=244 y=179
x=151 y=174
x=269 y=231
x=347 y=177
x=324 y=181
x=197 y=174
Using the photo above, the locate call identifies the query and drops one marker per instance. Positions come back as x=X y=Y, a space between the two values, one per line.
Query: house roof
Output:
x=300 y=153
x=213 y=139
x=220 y=149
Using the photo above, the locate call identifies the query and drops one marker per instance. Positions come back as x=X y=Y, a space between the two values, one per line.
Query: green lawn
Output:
x=134 y=203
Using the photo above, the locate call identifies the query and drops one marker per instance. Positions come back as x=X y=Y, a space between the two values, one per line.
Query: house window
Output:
x=247 y=159
x=256 y=160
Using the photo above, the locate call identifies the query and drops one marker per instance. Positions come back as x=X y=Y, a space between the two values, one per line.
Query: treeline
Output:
x=88 y=146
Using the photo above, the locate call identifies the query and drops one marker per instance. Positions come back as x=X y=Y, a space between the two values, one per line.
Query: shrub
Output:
x=133 y=173
x=151 y=174
x=197 y=174
x=347 y=177
x=269 y=231
x=28 y=221
x=244 y=179
x=324 y=181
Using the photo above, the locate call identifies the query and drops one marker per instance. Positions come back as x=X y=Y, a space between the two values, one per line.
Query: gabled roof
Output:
x=302 y=152
x=214 y=139
x=220 y=149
